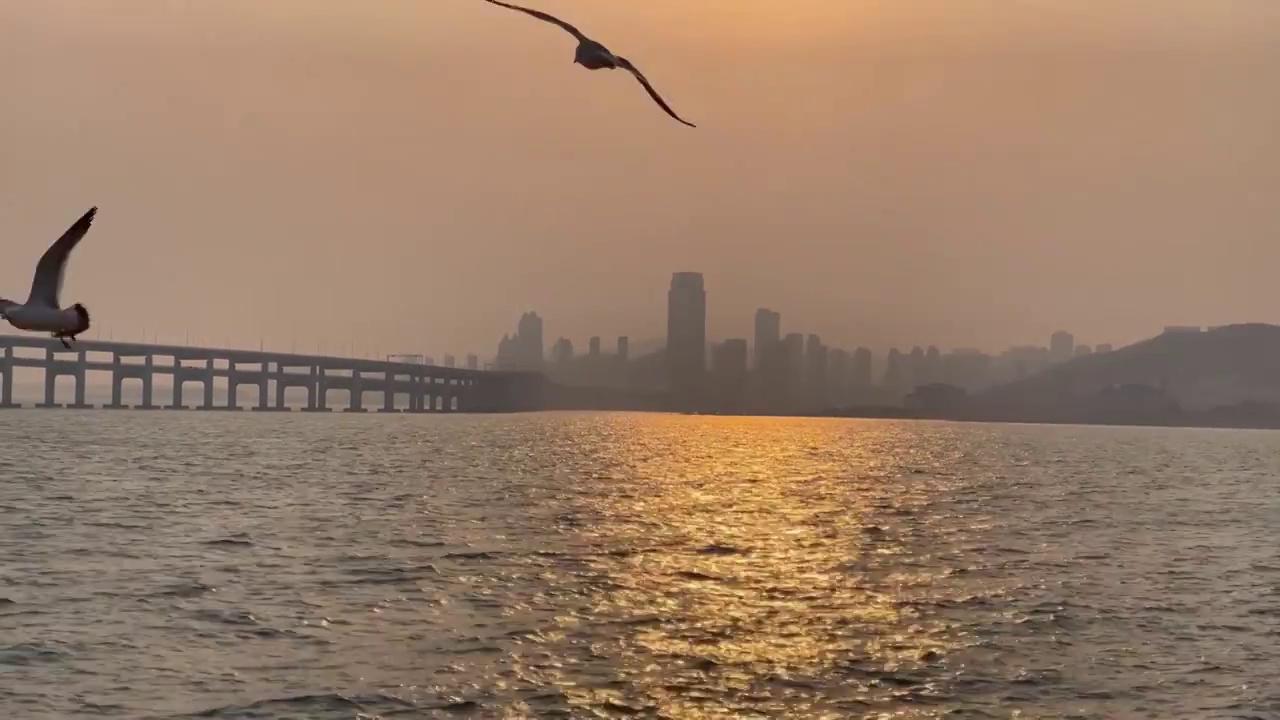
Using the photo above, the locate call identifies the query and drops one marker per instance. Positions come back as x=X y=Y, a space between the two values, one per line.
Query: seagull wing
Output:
x=49 y=271
x=543 y=16
x=625 y=64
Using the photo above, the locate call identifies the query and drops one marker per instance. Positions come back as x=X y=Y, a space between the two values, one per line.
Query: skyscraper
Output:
x=686 y=334
x=815 y=372
x=792 y=355
x=861 y=372
x=593 y=346
x=529 y=341
x=624 y=348
x=768 y=335
x=1061 y=346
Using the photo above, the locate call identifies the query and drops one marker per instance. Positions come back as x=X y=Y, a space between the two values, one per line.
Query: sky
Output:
x=411 y=175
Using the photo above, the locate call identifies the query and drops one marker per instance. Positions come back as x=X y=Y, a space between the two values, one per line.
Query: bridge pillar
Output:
x=148 y=374
x=356 y=404
x=117 y=379
x=263 y=403
x=233 y=387
x=318 y=400
x=208 y=385
x=418 y=389
x=281 y=386
x=81 y=371
x=389 y=393
x=6 y=369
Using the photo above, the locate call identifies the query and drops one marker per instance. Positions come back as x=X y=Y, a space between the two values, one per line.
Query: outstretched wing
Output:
x=49 y=271
x=625 y=64
x=543 y=16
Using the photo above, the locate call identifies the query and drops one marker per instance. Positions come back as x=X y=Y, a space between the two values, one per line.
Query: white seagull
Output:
x=41 y=312
x=594 y=56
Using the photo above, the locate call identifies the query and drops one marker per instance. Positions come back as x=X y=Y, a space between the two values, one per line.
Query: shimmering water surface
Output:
x=564 y=565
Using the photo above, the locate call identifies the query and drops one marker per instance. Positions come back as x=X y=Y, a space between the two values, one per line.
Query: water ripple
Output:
x=579 y=565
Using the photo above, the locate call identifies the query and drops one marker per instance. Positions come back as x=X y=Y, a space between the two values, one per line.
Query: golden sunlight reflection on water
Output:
x=769 y=537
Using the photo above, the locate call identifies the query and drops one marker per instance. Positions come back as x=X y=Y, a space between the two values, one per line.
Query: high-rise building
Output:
x=895 y=380
x=593 y=346
x=624 y=348
x=815 y=371
x=932 y=371
x=524 y=350
x=791 y=390
x=686 y=335
x=1061 y=346
x=450 y=360
x=473 y=361
x=562 y=351
x=838 y=377
x=861 y=372
x=914 y=368
x=768 y=335
x=729 y=374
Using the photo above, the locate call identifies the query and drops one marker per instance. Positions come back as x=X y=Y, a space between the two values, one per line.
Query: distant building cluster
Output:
x=771 y=372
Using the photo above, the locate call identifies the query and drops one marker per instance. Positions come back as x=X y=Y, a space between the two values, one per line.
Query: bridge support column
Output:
x=356 y=404
x=318 y=402
x=148 y=375
x=208 y=385
x=177 y=388
x=6 y=369
x=263 y=402
x=233 y=387
x=417 y=390
x=81 y=371
x=389 y=393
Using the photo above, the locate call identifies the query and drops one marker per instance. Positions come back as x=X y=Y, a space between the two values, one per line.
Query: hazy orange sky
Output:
x=413 y=174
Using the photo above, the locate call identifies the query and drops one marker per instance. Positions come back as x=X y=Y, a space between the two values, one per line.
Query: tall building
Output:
x=915 y=368
x=562 y=351
x=524 y=350
x=861 y=373
x=895 y=379
x=768 y=335
x=624 y=348
x=686 y=335
x=815 y=372
x=791 y=390
x=593 y=346
x=450 y=360
x=473 y=361
x=932 y=372
x=729 y=374
x=838 y=377
x=1062 y=345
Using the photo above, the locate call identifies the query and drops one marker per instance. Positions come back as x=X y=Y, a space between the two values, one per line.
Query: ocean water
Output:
x=194 y=565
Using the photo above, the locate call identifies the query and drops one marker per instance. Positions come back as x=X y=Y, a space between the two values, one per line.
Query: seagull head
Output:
x=82 y=317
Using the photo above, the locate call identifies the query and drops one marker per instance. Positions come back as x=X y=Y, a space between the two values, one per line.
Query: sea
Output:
x=613 y=565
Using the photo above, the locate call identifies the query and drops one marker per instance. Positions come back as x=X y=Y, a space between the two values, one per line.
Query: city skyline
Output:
x=778 y=369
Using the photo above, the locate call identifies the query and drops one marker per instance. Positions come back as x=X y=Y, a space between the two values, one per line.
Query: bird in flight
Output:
x=41 y=312
x=594 y=56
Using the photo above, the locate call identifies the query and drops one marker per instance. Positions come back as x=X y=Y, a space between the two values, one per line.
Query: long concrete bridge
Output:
x=427 y=388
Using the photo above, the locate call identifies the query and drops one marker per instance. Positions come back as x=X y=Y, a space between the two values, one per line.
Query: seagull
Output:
x=594 y=56
x=41 y=312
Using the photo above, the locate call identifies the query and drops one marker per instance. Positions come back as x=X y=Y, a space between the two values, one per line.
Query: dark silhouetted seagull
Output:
x=594 y=56
x=41 y=312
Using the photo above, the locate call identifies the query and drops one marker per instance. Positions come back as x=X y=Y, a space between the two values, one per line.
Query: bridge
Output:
x=427 y=388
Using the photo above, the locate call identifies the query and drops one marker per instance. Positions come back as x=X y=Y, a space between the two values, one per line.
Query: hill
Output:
x=1196 y=371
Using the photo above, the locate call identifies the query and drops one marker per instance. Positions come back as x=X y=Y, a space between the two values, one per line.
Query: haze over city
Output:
x=412 y=176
